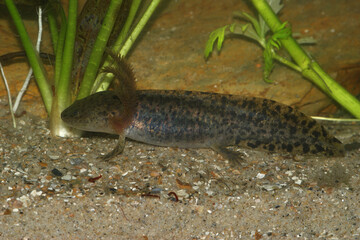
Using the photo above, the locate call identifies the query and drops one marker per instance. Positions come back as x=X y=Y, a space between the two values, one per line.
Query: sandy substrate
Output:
x=57 y=188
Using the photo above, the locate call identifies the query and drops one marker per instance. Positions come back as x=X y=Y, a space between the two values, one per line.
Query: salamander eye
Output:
x=76 y=113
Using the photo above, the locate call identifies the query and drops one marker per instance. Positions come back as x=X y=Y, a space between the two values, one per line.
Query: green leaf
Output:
x=232 y=27
x=250 y=18
x=246 y=30
x=271 y=44
x=306 y=40
x=268 y=62
x=275 y=5
x=219 y=35
x=244 y=27
x=283 y=33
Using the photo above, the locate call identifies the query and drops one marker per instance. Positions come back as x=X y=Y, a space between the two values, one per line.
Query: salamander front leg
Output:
x=119 y=148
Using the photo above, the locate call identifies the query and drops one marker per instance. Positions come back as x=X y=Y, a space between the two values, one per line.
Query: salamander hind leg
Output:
x=235 y=158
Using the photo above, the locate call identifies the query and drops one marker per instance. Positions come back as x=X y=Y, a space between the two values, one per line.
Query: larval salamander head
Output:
x=94 y=113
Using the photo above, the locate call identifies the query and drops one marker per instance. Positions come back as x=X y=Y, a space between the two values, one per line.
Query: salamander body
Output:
x=188 y=119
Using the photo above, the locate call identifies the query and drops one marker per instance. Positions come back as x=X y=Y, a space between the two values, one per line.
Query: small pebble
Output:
x=25 y=200
x=155 y=190
x=66 y=177
x=53 y=157
x=56 y=172
x=35 y=193
x=210 y=193
x=182 y=193
x=260 y=175
x=76 y=161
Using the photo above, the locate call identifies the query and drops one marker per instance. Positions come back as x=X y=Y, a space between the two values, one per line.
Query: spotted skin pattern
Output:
x=188 y=119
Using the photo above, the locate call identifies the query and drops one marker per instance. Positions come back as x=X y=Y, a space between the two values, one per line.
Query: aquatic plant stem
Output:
x=119 y=41
x=129 y=20
x=62 y=90
x=310 y=68
x=129 y=42
x=28 y=77
x=99 y=48
x=33 y=57
x=51 y=17
x=60 y=48
x=139 y=27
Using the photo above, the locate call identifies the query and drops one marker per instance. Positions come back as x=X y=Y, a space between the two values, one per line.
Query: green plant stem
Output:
x=99 y=48
x=62 y=90
x=310 y=69
x=139 y=27
x=59 y=48
x=107 y=78
x=129 y=20
x=32 y=55
x=51 y=16
x=120 y=40
x=287 y=63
